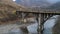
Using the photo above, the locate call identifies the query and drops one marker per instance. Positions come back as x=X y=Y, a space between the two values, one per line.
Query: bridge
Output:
x=41 y=15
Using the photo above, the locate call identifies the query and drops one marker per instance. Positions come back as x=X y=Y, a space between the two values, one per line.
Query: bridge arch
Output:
x=40 y=17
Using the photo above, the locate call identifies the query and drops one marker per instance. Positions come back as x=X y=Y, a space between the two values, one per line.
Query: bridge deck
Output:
x=54 y=12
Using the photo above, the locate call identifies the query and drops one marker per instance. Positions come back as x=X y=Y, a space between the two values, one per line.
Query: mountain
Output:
x=33 y=3
x=8 y=10
x=55 y=6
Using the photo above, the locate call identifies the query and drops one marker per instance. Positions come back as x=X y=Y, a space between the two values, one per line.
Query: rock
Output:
x=56 y=28
x=24 y=29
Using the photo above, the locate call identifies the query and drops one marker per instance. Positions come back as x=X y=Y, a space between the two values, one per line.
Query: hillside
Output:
x=33 y=3
x=55 y=6
x=7 y=11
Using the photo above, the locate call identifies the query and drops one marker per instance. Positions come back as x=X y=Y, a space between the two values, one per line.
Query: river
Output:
x=49 y=25
x=14 y=28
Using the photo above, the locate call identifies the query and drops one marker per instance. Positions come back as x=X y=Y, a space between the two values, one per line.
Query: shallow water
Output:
x=49 y=25
x=14 y=28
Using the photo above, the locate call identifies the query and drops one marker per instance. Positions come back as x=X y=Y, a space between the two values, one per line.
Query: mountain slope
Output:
x=55 y=6
x=33 y=3
x=7 y=11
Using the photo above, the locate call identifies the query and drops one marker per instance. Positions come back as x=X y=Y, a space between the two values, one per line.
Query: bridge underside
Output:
x=40 y=17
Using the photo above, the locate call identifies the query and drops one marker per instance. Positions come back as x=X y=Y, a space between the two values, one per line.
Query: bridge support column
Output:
x=40 y=24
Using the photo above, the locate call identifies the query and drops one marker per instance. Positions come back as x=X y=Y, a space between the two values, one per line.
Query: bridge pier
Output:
x=24 y=29
x=40 y=23
x=40 y=17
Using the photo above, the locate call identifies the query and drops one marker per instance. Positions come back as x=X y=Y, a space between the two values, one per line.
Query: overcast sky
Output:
x=53 y=1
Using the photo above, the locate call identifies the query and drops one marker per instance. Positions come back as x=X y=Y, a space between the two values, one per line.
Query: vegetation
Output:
x=7 y=12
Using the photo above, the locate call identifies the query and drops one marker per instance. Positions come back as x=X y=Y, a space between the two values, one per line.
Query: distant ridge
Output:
x=55 y=6
x=33 y=3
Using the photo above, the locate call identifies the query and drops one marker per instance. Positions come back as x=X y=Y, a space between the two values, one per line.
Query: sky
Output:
x=53 y=1
x=50 y=1
x=14 y=0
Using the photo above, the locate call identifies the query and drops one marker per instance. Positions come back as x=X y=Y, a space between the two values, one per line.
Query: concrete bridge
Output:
x=41 y=15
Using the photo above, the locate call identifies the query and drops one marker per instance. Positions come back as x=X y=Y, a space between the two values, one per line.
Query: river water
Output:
x=49 y=25
x=14 y=28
